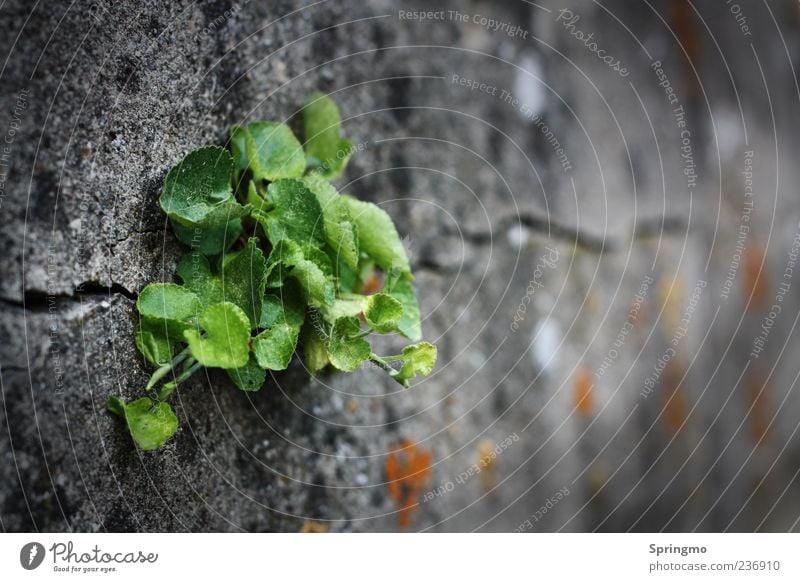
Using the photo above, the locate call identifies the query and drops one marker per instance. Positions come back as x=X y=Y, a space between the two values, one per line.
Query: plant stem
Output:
x=166 y=368
x=169 y=387
x=362 y=334
x=381 y=362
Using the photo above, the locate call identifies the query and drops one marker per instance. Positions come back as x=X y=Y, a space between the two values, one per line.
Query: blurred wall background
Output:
x=600 y=203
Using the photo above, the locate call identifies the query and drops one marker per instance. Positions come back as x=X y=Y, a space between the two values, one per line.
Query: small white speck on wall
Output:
x=529 y=86
x=545 y=342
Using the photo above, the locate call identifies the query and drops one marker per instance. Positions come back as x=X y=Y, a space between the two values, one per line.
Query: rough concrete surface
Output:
x=559 y=162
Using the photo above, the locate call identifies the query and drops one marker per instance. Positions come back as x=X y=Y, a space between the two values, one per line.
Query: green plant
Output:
x=302 y=279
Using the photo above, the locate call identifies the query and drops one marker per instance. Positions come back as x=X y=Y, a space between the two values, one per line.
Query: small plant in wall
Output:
x=303 y=282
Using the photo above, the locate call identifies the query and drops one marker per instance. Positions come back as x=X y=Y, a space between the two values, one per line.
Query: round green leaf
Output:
x=297 y=214
x=153 y=344
x=322 y=127
x=383 y=312
x=274 y=347
x=211 y=240
x=273 y=152
x=244 y=279
x=346 y=352
x=167 y=308
x=401 y=288
x=377 y=235
x=250 y=377
x=197 y=191
x=417 y=359
x=150 y=425
x=227 y=340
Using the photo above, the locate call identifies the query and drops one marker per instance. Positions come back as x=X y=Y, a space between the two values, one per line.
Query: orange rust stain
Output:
x=685 y=26
x=754 y=275
x=310 y=526
x=670 y=294
x=642 y=313
x=486 y=462
x=583 y=399
x=759 y=418
x=407 y=471
x=372 y=285
x=597 y=476
x=592 y=302
x=674 y=399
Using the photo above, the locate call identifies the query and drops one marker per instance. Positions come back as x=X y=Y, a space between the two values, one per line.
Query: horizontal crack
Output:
x=94 y=288
x=644 y=228
x=41 y=301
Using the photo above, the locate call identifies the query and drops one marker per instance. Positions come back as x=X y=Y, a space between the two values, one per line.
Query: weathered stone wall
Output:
x=559 y=161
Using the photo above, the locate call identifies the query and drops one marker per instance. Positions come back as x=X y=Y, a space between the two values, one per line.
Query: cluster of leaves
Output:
x=300 y=284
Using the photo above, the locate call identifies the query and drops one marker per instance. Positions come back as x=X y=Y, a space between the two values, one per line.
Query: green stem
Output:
x=382 y=363
x=167 y=368
x=360 y=335
x=169 y=387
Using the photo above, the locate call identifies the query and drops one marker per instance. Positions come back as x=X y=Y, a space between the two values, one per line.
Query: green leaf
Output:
x=383 y=312
x=244 y=280
x=345 y=307
x=319 y=289
x=150 y=425
x=273 y=348
x=288 y=260
x=285 y=305
x=346 y=352
x=402 y=289
x=167 y=307
x=417 y=359
x=315 y=348
x=345 y=277
x=273 y=152
x=153 y=343
x=250 y=377
x=197 y=191
x=322 y=129
x=224 y=213
x=195 y=272
x=296 y=216
x=227 y=340
x=254 y=197
x=341 y=231
x=320 y=258
x=377 y=235
x=116 y=405
x=211 y=240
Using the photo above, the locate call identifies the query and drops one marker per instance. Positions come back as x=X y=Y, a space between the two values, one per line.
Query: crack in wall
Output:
x=35 y=301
